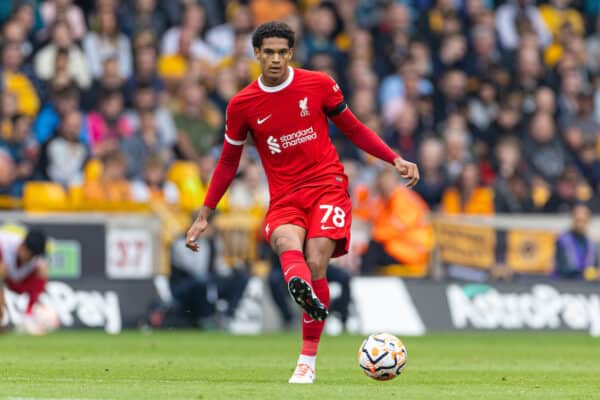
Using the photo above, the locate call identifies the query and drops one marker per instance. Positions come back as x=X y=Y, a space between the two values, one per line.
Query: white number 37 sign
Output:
x=129 y=254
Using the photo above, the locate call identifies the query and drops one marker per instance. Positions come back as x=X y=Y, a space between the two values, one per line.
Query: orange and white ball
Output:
x=382 y=356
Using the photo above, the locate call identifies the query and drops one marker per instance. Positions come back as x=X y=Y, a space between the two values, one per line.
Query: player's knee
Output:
x=283 y=243
x=317 y=266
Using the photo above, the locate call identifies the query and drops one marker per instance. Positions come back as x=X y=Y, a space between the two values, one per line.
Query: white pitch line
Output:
x=49 y=398
x=86 y=379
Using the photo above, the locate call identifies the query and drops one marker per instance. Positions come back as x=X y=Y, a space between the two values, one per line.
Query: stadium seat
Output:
x=92 y=170
x=584 y=192
x=185 y=175
x=180 y=171
x=44 y=196
x=8 y=202
x=75 y=197
x=191 y=193
x=540 y=195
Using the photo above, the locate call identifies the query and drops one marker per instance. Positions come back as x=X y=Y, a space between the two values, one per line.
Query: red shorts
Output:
x=324 y=211
x=32 y=285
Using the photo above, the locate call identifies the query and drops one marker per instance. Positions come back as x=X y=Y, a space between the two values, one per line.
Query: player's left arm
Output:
x=364 y=138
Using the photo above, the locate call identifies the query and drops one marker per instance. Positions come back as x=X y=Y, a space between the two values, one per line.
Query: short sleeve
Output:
x=333 y=101
x=236 y=129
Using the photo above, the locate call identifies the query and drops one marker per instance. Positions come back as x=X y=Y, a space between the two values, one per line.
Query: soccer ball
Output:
x=46 y=318
x=382 y=356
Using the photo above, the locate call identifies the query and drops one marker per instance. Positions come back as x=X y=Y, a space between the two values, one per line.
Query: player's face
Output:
x=24 y=254
x=274 y=56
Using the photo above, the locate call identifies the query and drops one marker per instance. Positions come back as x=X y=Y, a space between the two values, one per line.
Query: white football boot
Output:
x=303 y=373
x=30 y=326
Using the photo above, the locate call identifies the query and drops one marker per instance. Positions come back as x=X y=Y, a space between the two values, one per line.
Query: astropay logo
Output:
x=74 y=307
x=273 y=145
x=540 y=307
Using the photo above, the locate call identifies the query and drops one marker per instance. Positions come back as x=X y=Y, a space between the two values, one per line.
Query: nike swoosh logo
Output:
x=261 y=121
x=308 y=321
x=287 y=271
x=324 y=228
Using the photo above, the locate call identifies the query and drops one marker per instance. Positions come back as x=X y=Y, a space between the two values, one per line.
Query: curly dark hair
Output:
x=273 y=29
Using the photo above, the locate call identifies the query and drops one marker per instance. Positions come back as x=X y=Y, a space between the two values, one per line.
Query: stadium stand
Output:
x=119 y=106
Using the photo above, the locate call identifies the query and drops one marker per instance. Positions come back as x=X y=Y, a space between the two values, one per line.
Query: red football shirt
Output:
x=289 y=127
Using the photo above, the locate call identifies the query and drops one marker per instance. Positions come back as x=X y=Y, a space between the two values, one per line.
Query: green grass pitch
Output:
x=195 y=365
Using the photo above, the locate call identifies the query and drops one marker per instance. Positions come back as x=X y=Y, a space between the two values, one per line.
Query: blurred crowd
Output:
x=498 y=101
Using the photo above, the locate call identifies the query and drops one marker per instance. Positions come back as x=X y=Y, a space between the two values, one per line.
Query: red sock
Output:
x=294 y=264
x=311 y=329
x=33 y=298
x=33 y=286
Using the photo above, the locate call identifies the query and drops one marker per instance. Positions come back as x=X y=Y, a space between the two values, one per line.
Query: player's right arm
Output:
x=360 y=135
x=236 y=131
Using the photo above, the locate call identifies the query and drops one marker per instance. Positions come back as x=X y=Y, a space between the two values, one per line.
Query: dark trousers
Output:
x=374 y=258
x=199 y=296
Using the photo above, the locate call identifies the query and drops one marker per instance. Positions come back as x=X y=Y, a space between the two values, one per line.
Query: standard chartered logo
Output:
x=291 y=139
x=273 y=145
